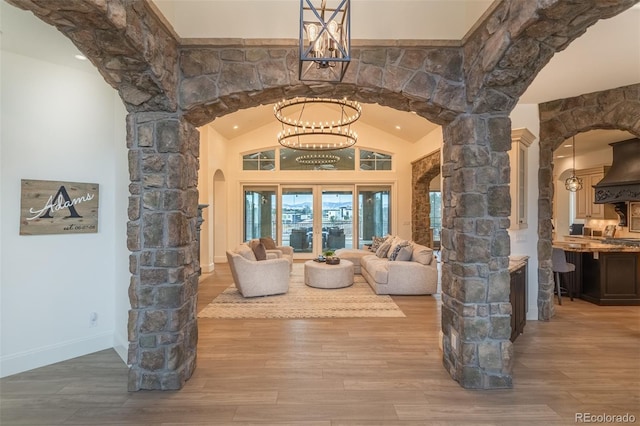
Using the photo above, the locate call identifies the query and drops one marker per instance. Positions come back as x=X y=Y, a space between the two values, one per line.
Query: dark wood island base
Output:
x=606 y=275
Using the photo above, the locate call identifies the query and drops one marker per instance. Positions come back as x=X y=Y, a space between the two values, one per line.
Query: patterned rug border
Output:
x=302 y=301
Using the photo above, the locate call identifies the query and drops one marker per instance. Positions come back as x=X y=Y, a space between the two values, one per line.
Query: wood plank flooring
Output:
x=375 y=371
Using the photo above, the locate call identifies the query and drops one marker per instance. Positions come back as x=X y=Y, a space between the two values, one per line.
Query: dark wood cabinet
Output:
x=518 y=301
x=611 y=278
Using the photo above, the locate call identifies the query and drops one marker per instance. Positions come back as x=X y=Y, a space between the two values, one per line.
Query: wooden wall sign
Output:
x=51 y=207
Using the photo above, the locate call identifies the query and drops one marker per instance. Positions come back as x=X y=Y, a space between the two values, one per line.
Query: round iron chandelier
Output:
x=317 y=159
x=311 y=133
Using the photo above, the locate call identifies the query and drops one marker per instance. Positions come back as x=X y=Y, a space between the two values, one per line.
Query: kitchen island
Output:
x=607 y=271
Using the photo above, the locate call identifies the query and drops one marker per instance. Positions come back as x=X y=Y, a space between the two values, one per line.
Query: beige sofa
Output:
x=258 y=277
x=416 y=276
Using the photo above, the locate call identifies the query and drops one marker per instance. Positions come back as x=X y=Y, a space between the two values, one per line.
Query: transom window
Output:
x=371 y=160
x=291 y=159
x=261 y=160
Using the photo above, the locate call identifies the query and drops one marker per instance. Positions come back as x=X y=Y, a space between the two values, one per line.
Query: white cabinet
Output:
x=585 y=207
x=521 y=139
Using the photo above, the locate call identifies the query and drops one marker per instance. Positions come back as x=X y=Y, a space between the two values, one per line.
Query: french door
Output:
x=314 y=219
x=317 y=218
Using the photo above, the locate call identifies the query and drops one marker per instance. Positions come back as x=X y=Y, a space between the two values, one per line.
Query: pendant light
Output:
x=573 y=183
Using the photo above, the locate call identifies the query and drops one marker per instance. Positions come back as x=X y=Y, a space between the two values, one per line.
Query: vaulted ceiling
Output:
x=605 y=57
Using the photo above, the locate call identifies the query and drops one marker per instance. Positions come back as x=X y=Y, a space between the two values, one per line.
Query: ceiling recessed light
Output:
x=397 y=127
x=560 y=156
x=235 y=127
x=568 y=145
x=80 y=57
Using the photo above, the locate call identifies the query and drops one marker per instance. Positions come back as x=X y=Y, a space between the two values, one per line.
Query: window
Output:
x=262 y=160
x=370 y=160
x=435 y=216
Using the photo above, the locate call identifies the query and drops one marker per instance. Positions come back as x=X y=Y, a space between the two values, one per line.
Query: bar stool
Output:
x=560 y=265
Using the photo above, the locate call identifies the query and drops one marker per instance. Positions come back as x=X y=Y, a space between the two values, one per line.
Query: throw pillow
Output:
x=394 y=243
x=268 y=242
x=260 y=252
x=393 y=255
x=423 y=255
x=384 y=248
x=376 y=242
x=404 y=254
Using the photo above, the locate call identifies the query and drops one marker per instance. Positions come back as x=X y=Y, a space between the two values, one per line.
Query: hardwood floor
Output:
x=376 y=371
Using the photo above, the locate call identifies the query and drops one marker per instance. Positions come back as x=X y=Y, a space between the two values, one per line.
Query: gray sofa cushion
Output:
x=377 y=268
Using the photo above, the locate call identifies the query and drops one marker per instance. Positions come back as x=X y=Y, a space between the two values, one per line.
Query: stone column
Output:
x=420 y=213
x=161 y=235
x=423 y=171
x=476 y=313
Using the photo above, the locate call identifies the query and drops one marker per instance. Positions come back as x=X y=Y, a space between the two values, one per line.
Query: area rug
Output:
x=302 y=301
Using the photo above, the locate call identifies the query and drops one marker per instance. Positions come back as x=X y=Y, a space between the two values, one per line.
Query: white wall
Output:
x=213 y=167
x=60 y=123
x=525 y=241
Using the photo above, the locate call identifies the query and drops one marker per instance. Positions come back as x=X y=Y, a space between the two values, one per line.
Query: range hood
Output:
x=622 y=181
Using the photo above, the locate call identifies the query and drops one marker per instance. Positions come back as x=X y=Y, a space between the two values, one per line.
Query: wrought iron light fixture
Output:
x=310 y=133
x=317 y=159
x=573 y=183
x=325 y=40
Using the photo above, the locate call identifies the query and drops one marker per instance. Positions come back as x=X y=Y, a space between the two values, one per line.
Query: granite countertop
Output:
x=517 y=261
x=586 y=247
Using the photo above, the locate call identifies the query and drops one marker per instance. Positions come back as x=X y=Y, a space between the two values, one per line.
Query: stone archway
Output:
x=559 y=120
x=468 y=87
x=423 y=171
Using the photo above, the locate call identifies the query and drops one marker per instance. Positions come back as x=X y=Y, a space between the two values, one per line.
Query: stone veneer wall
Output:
x=469 y=88
x=560 y=120
x=423 y=171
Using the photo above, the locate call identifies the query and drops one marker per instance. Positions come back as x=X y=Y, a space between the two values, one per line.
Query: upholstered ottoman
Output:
x=321 y=275
x=354 y=256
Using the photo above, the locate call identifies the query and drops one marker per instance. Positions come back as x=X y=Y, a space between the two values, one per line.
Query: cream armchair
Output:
x=285 y=252
x=258 y=277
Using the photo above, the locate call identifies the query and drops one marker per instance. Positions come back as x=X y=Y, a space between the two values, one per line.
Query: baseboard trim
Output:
x=121 y=346
x=47 y=355
x=206 y=269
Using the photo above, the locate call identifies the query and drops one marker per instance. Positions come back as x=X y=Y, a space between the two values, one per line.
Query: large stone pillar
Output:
x=162 y=238
x=476 y=313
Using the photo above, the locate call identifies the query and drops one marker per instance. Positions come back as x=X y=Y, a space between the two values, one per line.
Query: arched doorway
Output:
x=560 y=120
